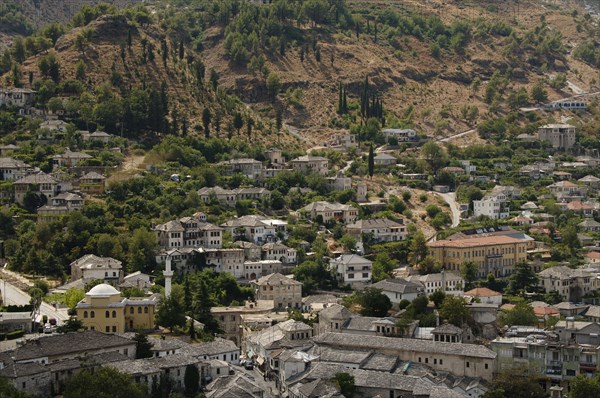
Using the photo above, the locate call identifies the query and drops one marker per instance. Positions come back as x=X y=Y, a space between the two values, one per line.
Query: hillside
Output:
x=439 y=67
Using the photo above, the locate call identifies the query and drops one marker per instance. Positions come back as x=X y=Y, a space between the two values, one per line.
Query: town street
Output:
x=14 y=296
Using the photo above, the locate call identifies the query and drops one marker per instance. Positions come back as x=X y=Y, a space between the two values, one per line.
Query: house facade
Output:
x=311 y=164
x=560 y=136
x=378 y=229
x=283 y=291
x=352 y=268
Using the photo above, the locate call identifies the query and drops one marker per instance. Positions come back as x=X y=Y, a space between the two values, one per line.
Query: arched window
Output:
x=92 y=314
x=145 y=310
x=114 y=314
x=139 y=310
x=131 y=310
x=107 y=313
x=85 y=314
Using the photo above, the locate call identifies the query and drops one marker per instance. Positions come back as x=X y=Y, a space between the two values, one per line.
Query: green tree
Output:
x=454 y=310
x=515 y=384
x=143 y=348
x=373 y=302
x=585 y=387
x=104 y=382
x=238 y=122
x=382 y=267
x=170 y=313
x=435 y=155
x=70 y=325
x=191 y=380
x=418 y=248
x=80 y=70
x=74 y=296
x=438 y=298
x=469 y=271
x=273 y=85
x=538 y=93
x=206 y=117
x=524 y=279
x=522 y=314
x=345 y=382
x=142 y=250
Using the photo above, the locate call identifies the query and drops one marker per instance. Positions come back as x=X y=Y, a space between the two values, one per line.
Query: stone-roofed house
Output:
x=318 y=302
x=590 y=181
x=445 y=281
x=280 y=252
x=252 y=228
x=221 y=349
x=383 y=159
x=285 y=292
x=100 y=136
x=323 y=212
x=249 y=167
x=311 y=164
x=401 y=135
x=566 y=189
x=40 y=183
x=457 y=358
x=229 y=197
x=447 y=333
x=235 y=386
x=32 y=378
x=90 y=267
x=571 y=284
x=18 y=97
x=230 y=319
x=378 y=230
x=400 y=289
x=352 y=268
x=58 y=347
x=189 y=232
x=61 y=205
x=92 y=183
x=13 y=169
x=560 y=136
x=593 y=313
x=69 y=159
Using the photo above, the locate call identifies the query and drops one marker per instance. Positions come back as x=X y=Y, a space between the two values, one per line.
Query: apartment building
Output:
x=495 y=255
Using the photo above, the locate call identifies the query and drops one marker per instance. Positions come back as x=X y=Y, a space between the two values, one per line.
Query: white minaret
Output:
x=168 y=273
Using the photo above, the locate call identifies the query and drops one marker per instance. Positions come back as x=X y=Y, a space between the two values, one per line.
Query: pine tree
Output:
x=345 y=100
x=206 y=117
x=249 y=126
x=181 y=50
x=341 y=99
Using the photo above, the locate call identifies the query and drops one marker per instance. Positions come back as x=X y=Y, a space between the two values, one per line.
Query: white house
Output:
x=311 y=164
x=446 y=281
x=399 y=289
x=485 y=296
x=252 y=228
x=494 y=207
x=378 y=229
x=351 y=268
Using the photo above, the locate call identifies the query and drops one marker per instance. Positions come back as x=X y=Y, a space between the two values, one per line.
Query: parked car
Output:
x=249 y=365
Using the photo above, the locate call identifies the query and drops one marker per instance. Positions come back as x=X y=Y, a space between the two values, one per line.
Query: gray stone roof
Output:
x=374 y=223
x=276 y=279
x=91 y=261
x=335 y=311
x=40 y=178
x=447 y=328
x=69 y=343
x=320 y=298
x=218 y=346
x=381 y=362
x=397 y=285
x=10 y=163
x=401 y=344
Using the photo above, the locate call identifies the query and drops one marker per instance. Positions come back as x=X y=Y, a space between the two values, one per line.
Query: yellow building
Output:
x=496 y=255
x=103 y=309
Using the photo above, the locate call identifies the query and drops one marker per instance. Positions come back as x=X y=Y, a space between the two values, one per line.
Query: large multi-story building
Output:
x=13 y=169
x=249 y=167
x=229 y=197
x=41 y=183
x=561 y=136
x=230 y=318
x=447 y=282
x=495 y=255
x=251 y=228
x=494 y=207
x=283 y=291
x=188 y=232
x=103 y=309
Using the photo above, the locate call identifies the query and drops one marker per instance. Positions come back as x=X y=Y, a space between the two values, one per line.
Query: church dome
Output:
x=103 y=289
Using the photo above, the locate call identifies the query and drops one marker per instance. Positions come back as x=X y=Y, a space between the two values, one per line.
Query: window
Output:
x=426 y=360
x=107 y=329
x=85 y=314
x=131 y=310
x=486 y=365
x=114 y=329
x=114 y=314
x=139 y=310
x=467 y=364
x=107 y=313
x=145 y=310
x=441 y=361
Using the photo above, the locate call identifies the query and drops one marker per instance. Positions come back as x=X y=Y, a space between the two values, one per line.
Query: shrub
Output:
x=15 y=334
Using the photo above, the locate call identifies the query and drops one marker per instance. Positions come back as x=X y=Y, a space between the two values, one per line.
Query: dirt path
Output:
x=130 y=166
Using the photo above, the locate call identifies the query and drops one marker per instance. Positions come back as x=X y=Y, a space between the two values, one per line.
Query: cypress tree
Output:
x=181 y=50
x=371 y=161
x=340 y=99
